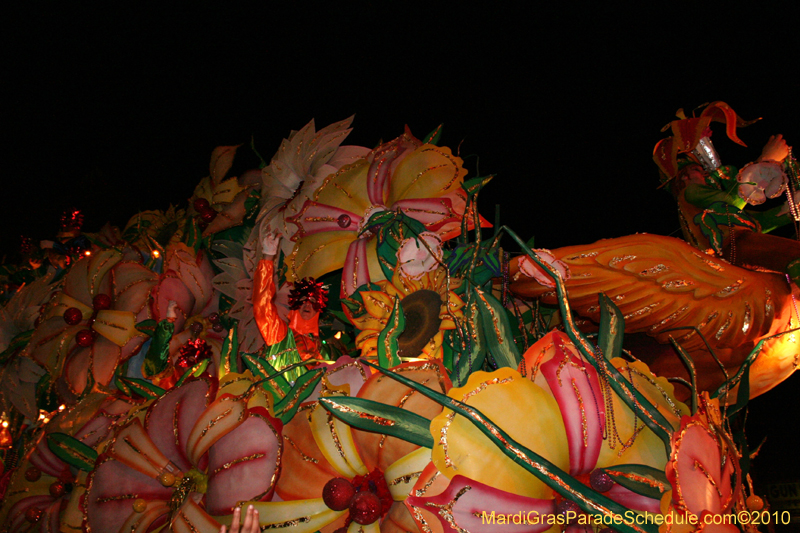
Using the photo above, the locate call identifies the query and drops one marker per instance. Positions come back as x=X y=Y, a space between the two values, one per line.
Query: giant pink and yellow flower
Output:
x=558 y=408
x=319 y=447
x=421 y=180
x=190 y=456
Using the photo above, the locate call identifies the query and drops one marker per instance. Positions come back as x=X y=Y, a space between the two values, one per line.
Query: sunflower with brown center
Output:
x=429 y=305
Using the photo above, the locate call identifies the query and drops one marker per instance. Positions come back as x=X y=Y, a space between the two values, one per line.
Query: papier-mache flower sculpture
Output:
x=338 y=476
x=578 y=424
x=190 y=456
x=421 y=180
x=45 y=490
x=90 y=326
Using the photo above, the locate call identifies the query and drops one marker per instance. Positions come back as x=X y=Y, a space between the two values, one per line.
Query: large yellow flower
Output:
x=430 y=307
x=422 y=181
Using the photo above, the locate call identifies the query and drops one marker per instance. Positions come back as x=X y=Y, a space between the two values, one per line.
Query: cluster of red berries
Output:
x=205 y=211
x=73 y=316
x=364 y=505
x=193 y=352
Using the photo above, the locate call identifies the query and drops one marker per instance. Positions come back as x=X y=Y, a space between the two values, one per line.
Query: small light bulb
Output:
x=338 y=335
x=87 y=253
x=156 y=254
x=5 y=423
x=62 y=407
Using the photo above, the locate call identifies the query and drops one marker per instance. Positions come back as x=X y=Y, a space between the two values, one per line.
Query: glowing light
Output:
x=5 y=423
x=62 y=407
x=87 y=253
x=156 y=254
x=338 y=335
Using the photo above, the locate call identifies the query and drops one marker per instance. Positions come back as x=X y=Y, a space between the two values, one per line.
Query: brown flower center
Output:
x=421 y=310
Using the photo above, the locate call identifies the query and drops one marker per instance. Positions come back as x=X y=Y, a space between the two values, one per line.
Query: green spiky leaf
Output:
x=380 y=418
x=387 y=339
x=641 y=479
x=72 y=451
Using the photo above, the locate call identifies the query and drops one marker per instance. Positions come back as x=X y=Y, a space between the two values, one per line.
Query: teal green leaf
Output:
x=148 y=327
x=380 y=418
x=140 y=387
x=287 y=406
x=497 y=332
x=194 y=371
x=387 y=339
x=72 y=451
x=284 y=354
x=474 y=185
x=434 y=136
x=275 y=384
x=641 y=479
x=612 y=328
x=230 y=351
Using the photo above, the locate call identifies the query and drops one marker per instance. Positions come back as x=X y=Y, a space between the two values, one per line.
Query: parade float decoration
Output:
x=445 y=386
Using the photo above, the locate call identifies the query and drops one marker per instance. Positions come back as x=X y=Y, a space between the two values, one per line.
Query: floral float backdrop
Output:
x=339 y=338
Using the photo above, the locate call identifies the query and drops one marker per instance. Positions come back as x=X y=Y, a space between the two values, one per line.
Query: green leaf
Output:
x=72 y=451
x=303 y=387
x=612 y=328
x=194 y=371
x=434 y=136
x=641 y=479
x=387 y=339
x=689 y=364
x=230 y=351
x=140 y=387
x=497 y=331
x=474 y=185
x=473 y=353
x=548 y=473
x=276 y=385
x=148 y=327
x=380 y=418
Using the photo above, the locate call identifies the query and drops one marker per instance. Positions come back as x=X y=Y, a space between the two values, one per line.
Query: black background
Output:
x=117 y=109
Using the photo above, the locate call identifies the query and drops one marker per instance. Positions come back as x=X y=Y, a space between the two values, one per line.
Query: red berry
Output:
x=218 y=327
x=344 y=221
x=33 y=515
x=201 y=205
x=84 y=338
x=365 y=508
x=338 y=493
x=600 y=481
x=101 y=302
x=57 y=489
x=73 y=316
x=208 y=216
x=213 y=318
x=33 y=474
x=568 y=506
x=196 y=328
x=754 y=503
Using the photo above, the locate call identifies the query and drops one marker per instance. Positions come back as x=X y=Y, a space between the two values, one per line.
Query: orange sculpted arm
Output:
x=272 y=328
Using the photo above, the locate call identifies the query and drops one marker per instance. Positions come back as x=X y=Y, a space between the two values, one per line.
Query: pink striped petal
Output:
x=171 y=418
x=316 y=218
x=432 y=212
x=243 y=465
x=468 y=500
x=46 y=461
x=386 y=157
x=575 y=387
x=112 y=489
x=356 y=268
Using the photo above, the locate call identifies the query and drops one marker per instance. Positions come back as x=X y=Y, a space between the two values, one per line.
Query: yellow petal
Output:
x=346 y=189
x=378 y=304
x=335 y=440
x=428 y=172
x=529 y=414
x=117 y=326
x=299 y=516
x=403 y=473
x=318 y=254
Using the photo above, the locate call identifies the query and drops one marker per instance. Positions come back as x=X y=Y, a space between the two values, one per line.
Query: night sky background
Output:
x=117 y=109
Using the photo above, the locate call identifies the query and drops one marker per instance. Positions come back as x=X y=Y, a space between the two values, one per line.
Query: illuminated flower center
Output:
x=421 y=310
x=192 y=481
